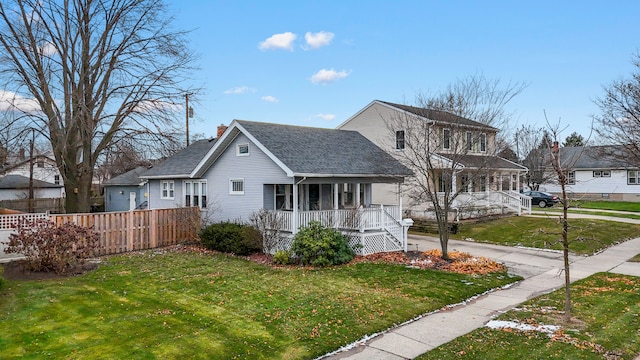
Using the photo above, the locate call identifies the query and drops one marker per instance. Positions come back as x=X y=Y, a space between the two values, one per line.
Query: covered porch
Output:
x=343 y=204
x=482 y=193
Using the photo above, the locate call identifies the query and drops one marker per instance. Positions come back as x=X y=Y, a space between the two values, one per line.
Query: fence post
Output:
x=130 y=231
x=153 y=232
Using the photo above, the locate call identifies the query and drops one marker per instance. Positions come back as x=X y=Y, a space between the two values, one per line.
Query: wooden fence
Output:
x=138 y=230
x=128 y=231
x=54 y=205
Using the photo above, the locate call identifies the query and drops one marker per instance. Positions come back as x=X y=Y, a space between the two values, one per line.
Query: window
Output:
x=602 y=173
x=571 y=178
x=446 y=138
x=400 y=139
x=56 y=179
x=195 y=193
x=242 y=150
x=469 y=141
x=187 y=193
x=483 y=142
x=236 y=187
x=40 y=163
x=632 y=177
x=166 y=189
x=284 y=197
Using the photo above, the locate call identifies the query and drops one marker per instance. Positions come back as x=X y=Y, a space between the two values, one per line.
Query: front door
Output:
x=132 y=200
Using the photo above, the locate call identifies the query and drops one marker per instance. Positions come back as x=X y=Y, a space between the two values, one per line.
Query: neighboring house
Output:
x=496 y=180
x=596 y=174
x=16 y=187
x=44 y=169
x=126 y=191
x=301 y=173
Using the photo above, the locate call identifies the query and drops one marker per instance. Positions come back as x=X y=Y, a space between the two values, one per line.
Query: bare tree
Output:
x=442 y=145
x=91 y=73
x=270 y=225
x=534 y=151
x=619 y=120
x=561 y=169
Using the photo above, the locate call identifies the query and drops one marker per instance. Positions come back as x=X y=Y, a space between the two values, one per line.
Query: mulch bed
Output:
x=432 y=259
x=15 y=270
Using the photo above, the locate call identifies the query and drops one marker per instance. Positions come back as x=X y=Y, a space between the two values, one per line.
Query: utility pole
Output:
x=188 y=114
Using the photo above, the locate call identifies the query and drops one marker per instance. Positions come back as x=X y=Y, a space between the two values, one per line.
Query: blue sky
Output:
x=257 y=64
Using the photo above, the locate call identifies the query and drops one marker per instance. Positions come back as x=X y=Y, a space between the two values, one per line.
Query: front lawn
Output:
x=635 y=258
x=167 y=304
x=606 y=205
x=587 y=236
x=606 y=308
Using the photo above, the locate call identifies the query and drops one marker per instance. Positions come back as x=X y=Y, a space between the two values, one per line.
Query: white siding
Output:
x=587 y=184
x=14 y=194
x=47 y=172
x=256 y=169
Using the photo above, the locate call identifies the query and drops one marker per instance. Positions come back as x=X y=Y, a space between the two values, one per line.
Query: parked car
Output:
x=542 y=199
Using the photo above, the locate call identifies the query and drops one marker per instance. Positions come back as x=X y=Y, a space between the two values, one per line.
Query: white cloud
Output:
x=239 y=90
x=11 y=101
x=325 y=76
x=319 y=39
x=269 y=98
x=282 y=41
x=327 y=117
x=48 y=49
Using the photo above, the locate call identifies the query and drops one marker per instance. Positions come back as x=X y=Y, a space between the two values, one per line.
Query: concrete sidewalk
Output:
x=540 y=269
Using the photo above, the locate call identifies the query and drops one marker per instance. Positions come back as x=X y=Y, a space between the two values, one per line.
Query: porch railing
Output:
x=362 y=219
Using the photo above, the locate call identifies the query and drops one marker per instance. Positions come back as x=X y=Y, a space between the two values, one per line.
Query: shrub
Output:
x=321 y=246
x=232 y=238
x=49 y=247
x=282 y=257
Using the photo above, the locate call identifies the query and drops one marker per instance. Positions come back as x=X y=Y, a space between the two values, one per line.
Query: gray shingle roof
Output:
x=595 y=157
x=22 y=182
x=487 y=162
x=438 y=115
x=131 y=177
x=183 y=162
x=306 y=150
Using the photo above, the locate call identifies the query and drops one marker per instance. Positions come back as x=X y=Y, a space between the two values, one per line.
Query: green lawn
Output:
x=606 y=205
x=635 y=258
x=169 y=305
x=558 y=210
x=607 y=307
x=587 y=236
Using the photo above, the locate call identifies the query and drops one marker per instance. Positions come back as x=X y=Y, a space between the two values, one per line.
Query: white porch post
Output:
x=357 y=204
x=400 y=198
x=335 y=196
x=500 y=183
x=296 y=211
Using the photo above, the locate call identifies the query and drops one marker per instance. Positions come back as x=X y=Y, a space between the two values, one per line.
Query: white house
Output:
x=301 y=173
x=16 y=187
x=486 y=182
x=597 y=173
x=44 y=169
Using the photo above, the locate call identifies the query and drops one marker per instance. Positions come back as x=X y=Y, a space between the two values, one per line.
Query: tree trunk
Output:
x=78 y=192
x=565 y=253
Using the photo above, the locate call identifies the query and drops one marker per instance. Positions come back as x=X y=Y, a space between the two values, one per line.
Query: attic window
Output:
x=40 y=163
x=399 y=139
x=242 y=150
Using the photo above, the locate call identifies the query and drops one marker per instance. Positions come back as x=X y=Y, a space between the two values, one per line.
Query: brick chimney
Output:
x=221 y=129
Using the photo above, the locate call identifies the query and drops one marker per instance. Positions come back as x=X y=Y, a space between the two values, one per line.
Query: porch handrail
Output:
x=360 y=219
